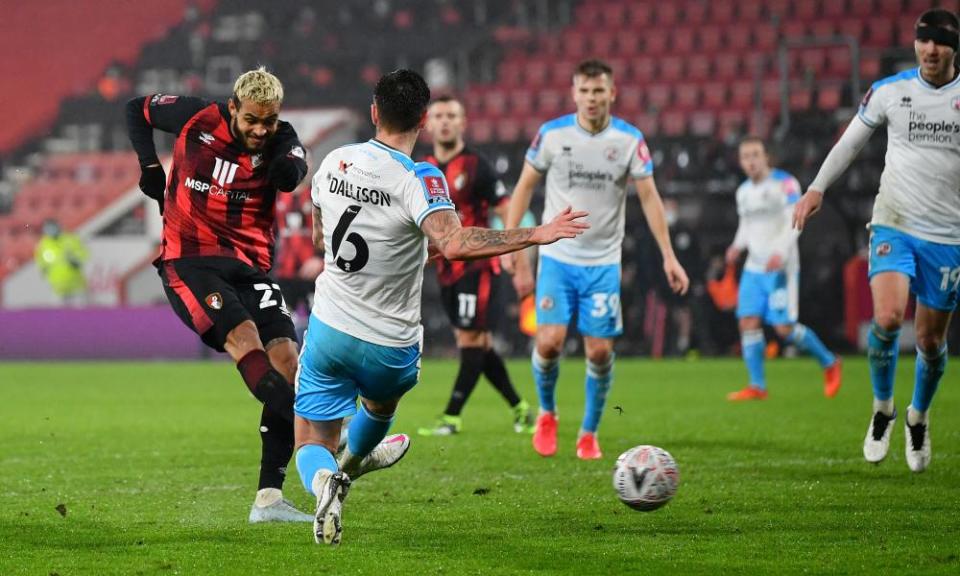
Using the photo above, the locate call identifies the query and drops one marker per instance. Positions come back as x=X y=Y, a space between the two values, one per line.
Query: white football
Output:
x=645 y=477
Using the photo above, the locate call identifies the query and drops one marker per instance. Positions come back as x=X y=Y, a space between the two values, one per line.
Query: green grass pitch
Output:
x=155 y=467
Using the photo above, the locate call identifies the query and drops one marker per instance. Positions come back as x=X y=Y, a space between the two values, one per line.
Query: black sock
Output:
x=496 y=373
x=276 y=438
x=471 y=365
x=266 y=384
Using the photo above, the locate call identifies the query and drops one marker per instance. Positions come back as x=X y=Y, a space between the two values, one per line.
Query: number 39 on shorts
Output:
x=605 y=304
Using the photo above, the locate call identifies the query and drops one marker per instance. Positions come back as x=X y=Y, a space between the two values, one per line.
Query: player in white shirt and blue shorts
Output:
x=770 y=283
x=915 y=229
x=374 y=211
x=588 y=158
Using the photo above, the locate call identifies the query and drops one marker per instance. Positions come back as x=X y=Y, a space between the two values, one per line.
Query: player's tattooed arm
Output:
x=458 y=243
x=317 y=231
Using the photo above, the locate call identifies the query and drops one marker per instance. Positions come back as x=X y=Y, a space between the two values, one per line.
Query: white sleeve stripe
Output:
x=431 y=210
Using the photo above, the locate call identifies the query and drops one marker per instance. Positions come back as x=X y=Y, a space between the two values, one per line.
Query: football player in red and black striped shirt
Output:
x=468 y=287
x=218 y=207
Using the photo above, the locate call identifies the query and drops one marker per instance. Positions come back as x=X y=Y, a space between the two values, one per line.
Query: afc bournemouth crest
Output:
x=883 y=249
x=546 y=303
x=612 y=154
x=955 y=103
x=214 y=301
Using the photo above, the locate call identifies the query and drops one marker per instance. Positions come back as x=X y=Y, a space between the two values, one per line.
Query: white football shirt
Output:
x=372 y=200
x=920 y=184
x=765 y=209
x=589 y=172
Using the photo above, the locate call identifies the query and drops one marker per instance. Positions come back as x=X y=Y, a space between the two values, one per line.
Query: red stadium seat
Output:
x=833 y=8
x=561 y=74
x=721 y=11
x=765 y=37
x=823 y=28
x=657 y=42
x=703 y=123
x=665 y=14
x=521 y=101
x=851 y=27
x=715 y=95
x=727 y=66
x=494 y=102
x=628 y=45
x=587 y=14
x=686 y=96
x=812 y=60
x=629 y=100
x=905 y=30
x=739 y=38
x=879 y=32
x=509 y=129
x=839 y=62
x=639 y=15
x=695 y=13
x=671 y=68
x=862 y=7
x=806 y=10
x=870 y=66
x=683 y=40
x=551 y=101
x=731 y=123
x=750 y=11
x=770 y=94
x=829 y=96
x=889 y=7
x=536 y=72
x=531 y=126
x=644 y=69
x=659 y=96
x=760 y=124
x=699 y=69
x=742 y=95
x=801 y=97
x=602 y=44
x=649 y=124
x=793 y=29
x=574 y=44
x=778 y=8
x=613 y=14
x=711 y=38
x=673 y=123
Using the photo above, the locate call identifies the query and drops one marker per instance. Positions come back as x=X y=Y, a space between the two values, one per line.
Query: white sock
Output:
x=914 y=417
x=268 y=496
x=884 y=406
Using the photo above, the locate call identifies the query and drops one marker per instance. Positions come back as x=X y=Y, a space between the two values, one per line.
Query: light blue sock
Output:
x=754 y=347
x=882 y=352
x=599 y=379
x=545 y=373
x=366 y=431
x=929 y=371
x=806 y=339
x=310 y=459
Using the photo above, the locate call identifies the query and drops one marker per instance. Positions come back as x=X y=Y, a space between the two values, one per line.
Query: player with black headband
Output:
x=915 y=229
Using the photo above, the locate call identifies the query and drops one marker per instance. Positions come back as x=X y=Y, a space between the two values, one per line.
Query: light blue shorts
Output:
x=772 y=296
x=593 y=291
x=335 y=368
x=933 y=269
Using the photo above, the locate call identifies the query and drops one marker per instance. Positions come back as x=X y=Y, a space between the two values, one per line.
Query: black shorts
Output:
x=213 y=295
x=467 y=301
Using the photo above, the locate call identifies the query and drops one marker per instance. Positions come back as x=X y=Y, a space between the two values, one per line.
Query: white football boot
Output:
x=331 y=489
x=270 y=506
x=917 y=444
x=877 y=442
x=387 y=453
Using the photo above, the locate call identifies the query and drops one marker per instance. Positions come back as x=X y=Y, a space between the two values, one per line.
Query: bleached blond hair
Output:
x=258 y=86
